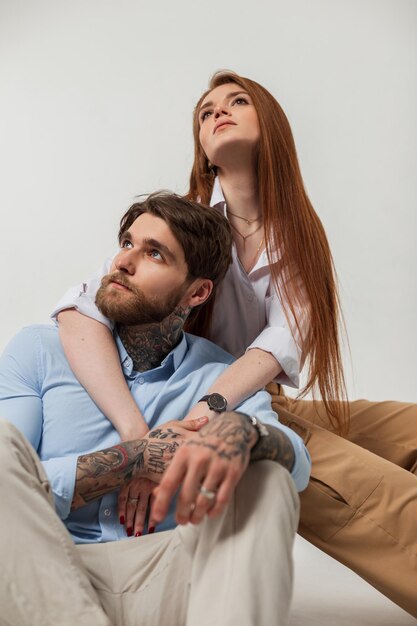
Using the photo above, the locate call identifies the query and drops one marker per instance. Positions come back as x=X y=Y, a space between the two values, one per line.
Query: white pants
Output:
x=234 y=570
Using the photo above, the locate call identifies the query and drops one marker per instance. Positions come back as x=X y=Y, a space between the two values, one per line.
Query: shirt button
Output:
x=107 y=512
x=141 y=380
x=250 y=297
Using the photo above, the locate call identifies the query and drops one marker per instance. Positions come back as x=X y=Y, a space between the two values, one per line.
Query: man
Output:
x=233 y=565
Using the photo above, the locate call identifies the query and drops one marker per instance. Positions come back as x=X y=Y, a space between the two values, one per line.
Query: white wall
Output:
x=96 y=99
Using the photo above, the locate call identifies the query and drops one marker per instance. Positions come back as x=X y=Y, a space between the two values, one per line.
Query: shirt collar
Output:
x=174 y=358
x=217 y=193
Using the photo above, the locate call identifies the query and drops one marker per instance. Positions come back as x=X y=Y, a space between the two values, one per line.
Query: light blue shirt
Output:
x=40 y=395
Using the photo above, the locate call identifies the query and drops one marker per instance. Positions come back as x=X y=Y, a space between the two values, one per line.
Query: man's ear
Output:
x=198 y=292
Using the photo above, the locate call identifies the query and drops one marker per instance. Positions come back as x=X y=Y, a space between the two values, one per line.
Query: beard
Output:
x=133 y=307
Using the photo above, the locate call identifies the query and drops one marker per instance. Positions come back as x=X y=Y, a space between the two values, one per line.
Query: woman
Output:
x=278 y=307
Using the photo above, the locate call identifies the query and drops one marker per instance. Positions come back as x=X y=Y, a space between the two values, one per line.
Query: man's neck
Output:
x=148 y=344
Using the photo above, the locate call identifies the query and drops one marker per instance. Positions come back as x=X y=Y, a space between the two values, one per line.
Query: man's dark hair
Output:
x=203 y=232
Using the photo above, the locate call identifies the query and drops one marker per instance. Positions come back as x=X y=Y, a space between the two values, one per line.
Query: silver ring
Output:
x=207 y=493
x=133 y=499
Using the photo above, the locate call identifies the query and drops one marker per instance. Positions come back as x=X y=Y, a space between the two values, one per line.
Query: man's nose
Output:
x=125 y=262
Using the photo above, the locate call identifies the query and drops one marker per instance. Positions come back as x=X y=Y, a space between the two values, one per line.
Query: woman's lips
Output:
x=222 y=124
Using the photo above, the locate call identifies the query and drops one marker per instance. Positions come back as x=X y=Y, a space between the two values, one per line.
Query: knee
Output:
x=270 y=483
x=11 y=440
x=8 y=432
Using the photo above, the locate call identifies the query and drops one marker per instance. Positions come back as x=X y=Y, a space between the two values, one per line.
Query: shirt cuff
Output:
x=84 y=303
x=61 y=474
x=279 y=342
x=82 y=297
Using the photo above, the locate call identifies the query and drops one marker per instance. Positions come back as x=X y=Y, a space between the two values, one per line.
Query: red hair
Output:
x=293 y=228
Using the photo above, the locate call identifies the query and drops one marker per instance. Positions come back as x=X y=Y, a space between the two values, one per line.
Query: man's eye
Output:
x=126 y=244
x=155 y=254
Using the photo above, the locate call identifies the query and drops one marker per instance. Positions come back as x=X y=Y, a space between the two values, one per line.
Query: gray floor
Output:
x=328 y=594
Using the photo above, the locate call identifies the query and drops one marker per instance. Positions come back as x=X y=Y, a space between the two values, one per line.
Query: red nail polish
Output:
x=122 y=519
x=129 y=531
x=151 y=530
x=138 y=534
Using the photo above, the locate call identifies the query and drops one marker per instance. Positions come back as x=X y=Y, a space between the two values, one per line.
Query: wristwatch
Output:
x=215 y=402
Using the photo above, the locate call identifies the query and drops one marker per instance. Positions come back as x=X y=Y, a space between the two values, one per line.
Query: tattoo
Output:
x=159 y=433
x=104 y=471
x=232 y=436
x=149 y=344
x=277 y=447
x=157 y=453
x=229 y=437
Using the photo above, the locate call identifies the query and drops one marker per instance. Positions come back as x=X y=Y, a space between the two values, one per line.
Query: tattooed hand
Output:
x=215 y=457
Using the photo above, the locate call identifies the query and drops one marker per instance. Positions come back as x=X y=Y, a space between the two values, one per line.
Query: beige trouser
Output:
x=234 y=569
x=361 y=503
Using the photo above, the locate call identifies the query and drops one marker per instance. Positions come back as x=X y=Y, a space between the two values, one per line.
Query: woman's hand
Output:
x=134 y=503
x=199 y=410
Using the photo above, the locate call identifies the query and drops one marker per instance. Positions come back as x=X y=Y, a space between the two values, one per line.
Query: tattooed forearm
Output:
x=276 y=447
x=100 y=472
x=104 y=471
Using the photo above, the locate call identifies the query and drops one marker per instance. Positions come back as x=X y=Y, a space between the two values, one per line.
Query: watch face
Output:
x=217 y=402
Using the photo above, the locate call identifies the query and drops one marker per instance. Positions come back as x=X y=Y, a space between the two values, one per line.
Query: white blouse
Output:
x=247 y=311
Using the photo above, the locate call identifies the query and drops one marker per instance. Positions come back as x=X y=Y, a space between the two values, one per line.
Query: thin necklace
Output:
x=244 y=237
x=245 y=219
x=255 y=258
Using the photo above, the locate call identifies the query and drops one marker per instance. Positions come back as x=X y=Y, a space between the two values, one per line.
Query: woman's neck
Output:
x=240 y=190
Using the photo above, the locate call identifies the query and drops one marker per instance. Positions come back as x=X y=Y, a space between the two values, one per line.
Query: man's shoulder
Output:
x=207 y=351
x=48 y=332
x=33 y=337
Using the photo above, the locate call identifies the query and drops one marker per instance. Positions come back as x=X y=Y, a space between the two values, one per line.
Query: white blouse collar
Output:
x=217 y=193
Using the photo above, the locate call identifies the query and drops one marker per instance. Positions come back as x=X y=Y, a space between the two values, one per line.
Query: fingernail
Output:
x=151 y=529
x=138 y=534
x=129 y=531
x=122 y=519
x=203 y=418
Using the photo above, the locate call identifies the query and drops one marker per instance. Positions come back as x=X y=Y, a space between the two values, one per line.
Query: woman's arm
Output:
x=92 y=354
x=253 y=371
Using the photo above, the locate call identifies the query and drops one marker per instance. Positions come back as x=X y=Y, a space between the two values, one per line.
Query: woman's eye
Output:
x=126 y=244
x=205 y=115
x=240 y=100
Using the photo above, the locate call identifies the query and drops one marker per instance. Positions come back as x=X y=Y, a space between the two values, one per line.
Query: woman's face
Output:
x=229 y=125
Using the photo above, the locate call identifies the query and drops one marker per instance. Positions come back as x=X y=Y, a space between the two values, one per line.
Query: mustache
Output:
x=117 y=277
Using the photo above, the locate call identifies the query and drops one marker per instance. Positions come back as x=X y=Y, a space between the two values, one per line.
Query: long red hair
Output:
x=293 y=228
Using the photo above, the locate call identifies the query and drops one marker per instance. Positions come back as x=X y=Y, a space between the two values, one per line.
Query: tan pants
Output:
x=235 y=569
x=361 y=503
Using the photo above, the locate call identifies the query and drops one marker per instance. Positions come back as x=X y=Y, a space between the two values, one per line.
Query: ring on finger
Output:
x=133 y=499
x=207 y=493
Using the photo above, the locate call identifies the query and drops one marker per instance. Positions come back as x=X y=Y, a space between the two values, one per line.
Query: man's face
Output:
x=148 y=278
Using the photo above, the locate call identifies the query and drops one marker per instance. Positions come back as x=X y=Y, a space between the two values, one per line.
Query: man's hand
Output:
x=135 y=497
x=214 y=458
x=104 y=471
